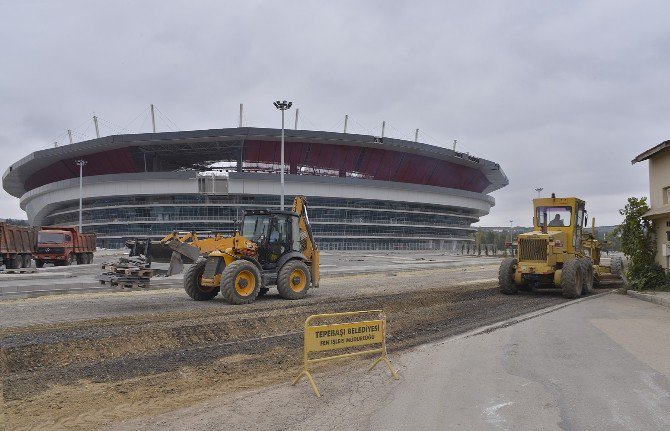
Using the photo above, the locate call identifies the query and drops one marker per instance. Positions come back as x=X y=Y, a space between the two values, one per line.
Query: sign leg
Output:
x=388 y=364
x=312 y=383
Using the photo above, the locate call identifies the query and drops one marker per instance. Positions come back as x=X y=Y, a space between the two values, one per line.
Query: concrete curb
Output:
x=650 y=297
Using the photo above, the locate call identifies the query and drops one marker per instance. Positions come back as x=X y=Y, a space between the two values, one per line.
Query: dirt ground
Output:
x=95 y=359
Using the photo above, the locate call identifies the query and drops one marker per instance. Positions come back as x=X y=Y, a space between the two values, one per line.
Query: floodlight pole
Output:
x=97 y=129
x=282 y=106
x=153 y=119
x=81 y=164
x=539 y=191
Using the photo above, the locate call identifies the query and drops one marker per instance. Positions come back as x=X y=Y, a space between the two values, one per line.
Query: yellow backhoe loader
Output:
x=270 y=248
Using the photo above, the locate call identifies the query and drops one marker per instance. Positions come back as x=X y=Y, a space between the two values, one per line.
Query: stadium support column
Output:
x=383 y=127
x=241 y=112
x=153 y=119
x=97 y=130
x=346 y=120
x=297 y=112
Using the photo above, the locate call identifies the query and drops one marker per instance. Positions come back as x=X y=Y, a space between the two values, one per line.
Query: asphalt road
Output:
x=599 y=364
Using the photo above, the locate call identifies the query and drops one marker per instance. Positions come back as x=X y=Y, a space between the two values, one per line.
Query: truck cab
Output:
x=63 y=246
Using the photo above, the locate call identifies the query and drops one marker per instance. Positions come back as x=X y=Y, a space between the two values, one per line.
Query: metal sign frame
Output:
x=311 y=347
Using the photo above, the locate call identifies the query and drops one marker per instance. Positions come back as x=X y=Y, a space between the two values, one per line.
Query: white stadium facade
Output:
x=364 y=192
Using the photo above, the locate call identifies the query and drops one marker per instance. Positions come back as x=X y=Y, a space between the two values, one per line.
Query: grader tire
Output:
x=293 y=280
x=616 y=266
x=192 y=283
x=240 y=282
x=587 y=266
x=572 y=278
x=506 y=276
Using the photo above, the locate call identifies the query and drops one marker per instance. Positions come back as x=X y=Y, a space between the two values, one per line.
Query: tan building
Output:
x=659 y=197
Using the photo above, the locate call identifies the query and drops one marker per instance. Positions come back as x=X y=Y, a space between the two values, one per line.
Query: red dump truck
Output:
x=62 y=245
x=17 y=244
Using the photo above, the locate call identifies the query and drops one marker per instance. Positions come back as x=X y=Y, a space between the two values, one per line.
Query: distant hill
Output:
x=15 y=222
x=500 y=235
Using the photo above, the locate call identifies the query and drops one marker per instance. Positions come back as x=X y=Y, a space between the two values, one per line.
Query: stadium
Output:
x=364 y=192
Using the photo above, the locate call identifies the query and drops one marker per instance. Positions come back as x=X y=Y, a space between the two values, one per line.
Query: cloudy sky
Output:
x=563 y=94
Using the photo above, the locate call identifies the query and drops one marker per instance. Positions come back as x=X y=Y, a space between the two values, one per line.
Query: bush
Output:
x=638 y=245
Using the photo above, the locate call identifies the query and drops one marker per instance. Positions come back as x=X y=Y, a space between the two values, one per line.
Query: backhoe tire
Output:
x=192 y=284
x=240 y=282
x=572 y=278
x=506 y=282
x=293 y=280
x=616 y=266
x=587 y=266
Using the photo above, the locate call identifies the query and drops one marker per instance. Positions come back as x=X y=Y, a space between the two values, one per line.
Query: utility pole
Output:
x=416 y=136
x=69 y=135
x=97 y=130
x=346 y=120
x=297 y=112
x=282 y=106
x=153 y=118
x=383 y=127
x=81 y=164
x=241 y=112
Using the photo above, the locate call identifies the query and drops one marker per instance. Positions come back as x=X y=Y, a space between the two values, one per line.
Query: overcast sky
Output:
x=563 y=94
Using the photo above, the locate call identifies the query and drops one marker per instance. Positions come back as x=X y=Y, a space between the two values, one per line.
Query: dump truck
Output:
x=559 y=252
x=270 y=248
x=63 y=245
x=17 y=244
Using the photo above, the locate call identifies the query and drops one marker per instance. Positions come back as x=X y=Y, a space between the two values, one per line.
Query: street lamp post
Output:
x=282 y=106
x=539 y=192
x=81 y=164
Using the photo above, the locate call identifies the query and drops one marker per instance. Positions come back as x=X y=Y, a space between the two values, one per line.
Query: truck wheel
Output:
x=240 y=282
x=14 y=263
x=587 y=267
x=506 y=276
x=616 y=266
x=192 y=285
x=89 y=257
x=80 y=259
x=572 y=278
x=293 y=280
x=39 y=263
x=27 y=261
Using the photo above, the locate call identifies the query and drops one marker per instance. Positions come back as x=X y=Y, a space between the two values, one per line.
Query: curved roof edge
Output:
x=16 y=174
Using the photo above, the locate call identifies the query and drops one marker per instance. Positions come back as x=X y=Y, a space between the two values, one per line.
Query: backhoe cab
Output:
x=270 y=248
x=558 y=252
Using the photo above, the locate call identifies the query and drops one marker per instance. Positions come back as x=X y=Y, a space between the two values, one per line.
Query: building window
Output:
x=666 y=195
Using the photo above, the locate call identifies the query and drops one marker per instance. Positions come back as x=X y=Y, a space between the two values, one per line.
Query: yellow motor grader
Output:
x=558 y=252
x=270 y=248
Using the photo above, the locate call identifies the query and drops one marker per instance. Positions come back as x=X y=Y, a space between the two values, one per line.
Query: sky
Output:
x=563 y=95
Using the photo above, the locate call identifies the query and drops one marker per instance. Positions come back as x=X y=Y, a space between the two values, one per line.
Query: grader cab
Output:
x=270 y=248
x=558 y=252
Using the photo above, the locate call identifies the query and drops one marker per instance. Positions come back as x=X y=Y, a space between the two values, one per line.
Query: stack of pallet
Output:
x=131 y=272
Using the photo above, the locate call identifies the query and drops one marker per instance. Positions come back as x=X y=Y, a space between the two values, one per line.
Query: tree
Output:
x=637 y=243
